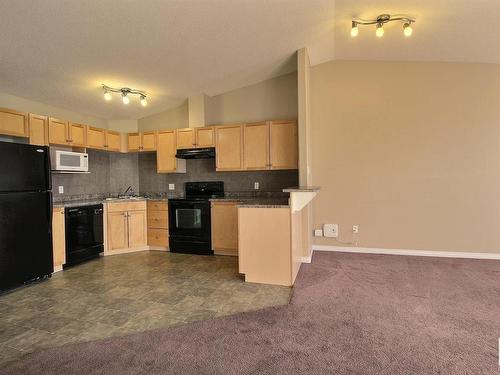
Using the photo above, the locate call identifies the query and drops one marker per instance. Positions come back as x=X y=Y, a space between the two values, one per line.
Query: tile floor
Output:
x=123 y=294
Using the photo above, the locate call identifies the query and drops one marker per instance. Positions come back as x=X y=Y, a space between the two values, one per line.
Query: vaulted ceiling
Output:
x=59 y=52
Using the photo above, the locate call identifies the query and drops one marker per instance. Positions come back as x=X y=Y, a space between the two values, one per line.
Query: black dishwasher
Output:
x=84 y=233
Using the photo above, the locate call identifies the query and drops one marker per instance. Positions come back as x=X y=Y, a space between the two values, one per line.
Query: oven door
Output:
x=189 y=226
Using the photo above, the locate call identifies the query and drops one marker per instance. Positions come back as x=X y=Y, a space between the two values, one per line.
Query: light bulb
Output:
x=107 y=96
x=144 y=101
x=125 y=98
x=407 y=30
x=380 y=30
x=354 y=29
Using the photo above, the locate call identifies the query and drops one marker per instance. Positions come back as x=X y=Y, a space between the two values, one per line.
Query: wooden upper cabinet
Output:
x=204 y=137
x=148 y=141
x=38 y=130
x=77 y=135
x=113 y=141
x=283 y=141
x=229 y=147
x=13 y=123
x=186 y=138
x=165 y=154
x=134 y=142
x=96 y=138
x=58 y=132
x=142 y=141
x=256 y=146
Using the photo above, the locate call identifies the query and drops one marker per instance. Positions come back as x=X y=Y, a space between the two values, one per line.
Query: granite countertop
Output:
x=261 y=199
x=299 y=189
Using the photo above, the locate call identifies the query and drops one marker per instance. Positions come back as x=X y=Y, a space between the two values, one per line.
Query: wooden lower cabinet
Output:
x=58 y=238
x=225 y=227
x=158 y=224
x=117 y=230
x=126 y=227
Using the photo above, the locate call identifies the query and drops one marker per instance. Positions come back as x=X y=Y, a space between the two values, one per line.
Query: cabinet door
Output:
x=229 y=148
x=134 y=142
x=158 y=237
x=13 y=123
x=58 y=132
x=113 y=141
x=205 y=137
x=148 y=141
x=58 y=238
x=185 y=138
x=256 y=146
x=96 y=138
x=117 y=230
x=165 y=154
x=137 y=228
x=77 y=135
x=225 y=227
x=283 y=138
x=39 y=130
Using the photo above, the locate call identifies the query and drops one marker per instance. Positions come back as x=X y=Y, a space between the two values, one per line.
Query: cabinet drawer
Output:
x=158 y=237
x=157 y=205
x=126 y=206
x=157 y=219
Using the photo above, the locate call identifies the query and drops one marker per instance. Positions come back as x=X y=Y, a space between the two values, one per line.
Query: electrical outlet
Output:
x=331 y=230
x=171 y=186
x=61 y=189
x=256 y=185
x=355 y=229
x=318 y=233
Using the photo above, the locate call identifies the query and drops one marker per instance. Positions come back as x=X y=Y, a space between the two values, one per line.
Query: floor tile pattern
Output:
x=123 y=294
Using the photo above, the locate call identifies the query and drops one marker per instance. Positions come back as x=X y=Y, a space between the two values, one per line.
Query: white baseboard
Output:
x=420 y=253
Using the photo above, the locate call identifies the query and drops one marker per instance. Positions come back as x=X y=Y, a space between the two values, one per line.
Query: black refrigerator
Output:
x=25 y=214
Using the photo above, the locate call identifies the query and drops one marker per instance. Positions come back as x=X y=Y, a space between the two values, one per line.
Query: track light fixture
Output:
x=125 y=94
x=380 y=21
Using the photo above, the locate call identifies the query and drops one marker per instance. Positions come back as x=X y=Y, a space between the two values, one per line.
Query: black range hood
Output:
x=196 y=153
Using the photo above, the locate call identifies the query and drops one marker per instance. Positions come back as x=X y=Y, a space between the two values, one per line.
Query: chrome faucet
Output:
x=131 y=189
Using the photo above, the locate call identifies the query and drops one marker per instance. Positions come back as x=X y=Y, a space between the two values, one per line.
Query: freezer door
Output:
x=24 y=167
x=25 y=238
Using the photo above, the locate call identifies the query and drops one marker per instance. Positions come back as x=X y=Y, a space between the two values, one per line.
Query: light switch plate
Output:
x=61 y=189
x=171 y=186
x=256 y=185
x=318 y=233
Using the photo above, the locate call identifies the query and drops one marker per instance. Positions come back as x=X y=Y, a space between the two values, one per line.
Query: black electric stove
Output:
x=189 y=218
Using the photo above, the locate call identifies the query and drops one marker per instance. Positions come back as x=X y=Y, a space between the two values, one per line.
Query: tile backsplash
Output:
x=204 y=170
x=111 y=173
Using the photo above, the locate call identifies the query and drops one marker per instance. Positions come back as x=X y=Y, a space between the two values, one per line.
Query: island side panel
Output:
x=265 y=245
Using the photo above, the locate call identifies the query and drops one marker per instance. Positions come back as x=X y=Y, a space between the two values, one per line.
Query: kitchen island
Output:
x=271 y=237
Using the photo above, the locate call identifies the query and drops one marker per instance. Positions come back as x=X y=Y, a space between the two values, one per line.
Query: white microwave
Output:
x=69 y=161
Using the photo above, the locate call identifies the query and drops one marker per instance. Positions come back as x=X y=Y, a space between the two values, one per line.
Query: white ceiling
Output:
x=59 y=52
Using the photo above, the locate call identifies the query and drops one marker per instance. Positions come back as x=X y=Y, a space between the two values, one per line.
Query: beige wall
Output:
x=275 y=98
x=126 y=126
x=170 y=119
x=25 y=105
x=410 y=152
